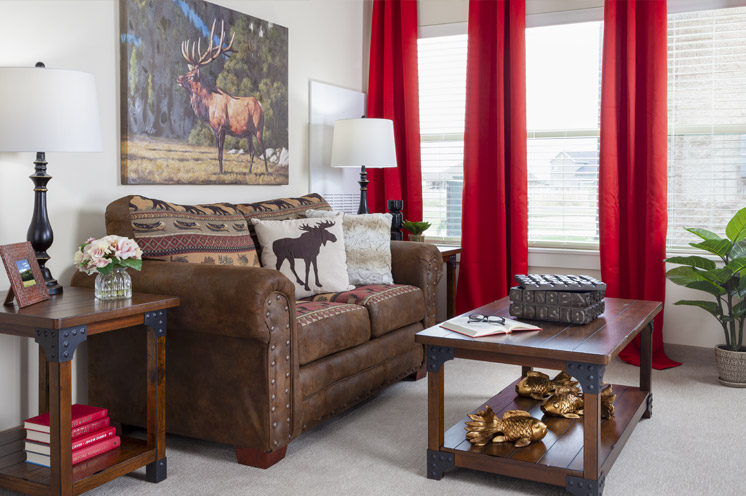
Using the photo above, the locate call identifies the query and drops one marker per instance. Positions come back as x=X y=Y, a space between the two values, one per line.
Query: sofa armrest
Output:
x=216 y=299
x=239 y=322
x=420 y=265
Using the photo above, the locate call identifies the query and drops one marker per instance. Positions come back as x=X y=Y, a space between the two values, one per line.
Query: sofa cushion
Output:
x=367 y=245
x=356 y=362
x=309 y=252
x=209 y=234
x=325 y=327
x=390 y=306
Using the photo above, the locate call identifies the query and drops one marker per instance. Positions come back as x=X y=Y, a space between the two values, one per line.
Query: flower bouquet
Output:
x=109 y=258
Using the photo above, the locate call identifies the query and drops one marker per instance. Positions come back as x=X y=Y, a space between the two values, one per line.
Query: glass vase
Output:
x=115 y=285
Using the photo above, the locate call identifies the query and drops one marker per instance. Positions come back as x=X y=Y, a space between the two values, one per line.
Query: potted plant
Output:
x=727 y=284
x=416 y=229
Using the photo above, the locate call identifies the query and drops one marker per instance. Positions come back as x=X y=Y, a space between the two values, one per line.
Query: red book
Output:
x=80 y=414
x=78 y=443
x=79 y=455
x=96 y=425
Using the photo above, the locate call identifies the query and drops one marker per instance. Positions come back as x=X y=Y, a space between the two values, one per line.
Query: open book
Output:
x=462 y=325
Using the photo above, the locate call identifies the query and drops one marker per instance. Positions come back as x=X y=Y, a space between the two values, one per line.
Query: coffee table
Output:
x=576 y=454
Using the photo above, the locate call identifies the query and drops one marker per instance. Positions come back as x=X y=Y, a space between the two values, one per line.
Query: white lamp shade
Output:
x=48 y=110
x=368 y=142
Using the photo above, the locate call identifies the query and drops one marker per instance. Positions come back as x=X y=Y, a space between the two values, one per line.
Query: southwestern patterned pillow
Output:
x=209 y=234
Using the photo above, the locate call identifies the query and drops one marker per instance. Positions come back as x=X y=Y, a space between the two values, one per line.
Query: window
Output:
x=706 y=120
x=563 y=91
x=442 y=107
x=706 y=117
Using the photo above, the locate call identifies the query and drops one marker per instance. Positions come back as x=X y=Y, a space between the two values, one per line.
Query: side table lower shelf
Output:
x=34 y=479
x=560 y=453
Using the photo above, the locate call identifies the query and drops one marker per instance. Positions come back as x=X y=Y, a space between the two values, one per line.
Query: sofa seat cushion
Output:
x=390 y=306
x=333 y=369
x=326 y=327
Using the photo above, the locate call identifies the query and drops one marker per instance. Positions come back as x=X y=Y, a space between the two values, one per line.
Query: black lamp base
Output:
x=363 y=182
x=40 y=231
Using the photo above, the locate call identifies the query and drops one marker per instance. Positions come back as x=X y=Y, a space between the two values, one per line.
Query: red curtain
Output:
x=632 y=168
x=393 y=93
x=494 y=228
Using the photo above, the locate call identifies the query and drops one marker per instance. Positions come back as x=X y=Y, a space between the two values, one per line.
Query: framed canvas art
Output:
x=26 y=281
x=204 y=95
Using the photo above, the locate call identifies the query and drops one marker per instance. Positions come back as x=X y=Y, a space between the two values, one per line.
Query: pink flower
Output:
x=127 y=248
x=96 y=254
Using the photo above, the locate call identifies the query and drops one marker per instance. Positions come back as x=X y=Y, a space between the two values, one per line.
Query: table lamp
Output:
x=52 y=110
x=363 y=143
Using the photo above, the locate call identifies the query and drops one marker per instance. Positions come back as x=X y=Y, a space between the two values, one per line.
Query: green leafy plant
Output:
x=727 y=283
x=415 y=227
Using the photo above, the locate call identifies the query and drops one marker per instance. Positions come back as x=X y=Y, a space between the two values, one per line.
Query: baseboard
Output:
x=690 y=354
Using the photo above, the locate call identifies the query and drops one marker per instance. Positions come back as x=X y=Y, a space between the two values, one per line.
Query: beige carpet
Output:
x=695 y=444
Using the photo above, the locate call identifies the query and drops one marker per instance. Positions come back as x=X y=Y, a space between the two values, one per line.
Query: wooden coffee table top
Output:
x=597 y=342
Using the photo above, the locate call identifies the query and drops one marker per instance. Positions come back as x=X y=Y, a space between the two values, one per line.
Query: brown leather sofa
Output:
x=249 y=366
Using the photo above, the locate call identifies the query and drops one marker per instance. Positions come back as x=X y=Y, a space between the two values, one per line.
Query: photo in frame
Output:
x=26 y=281
x=204 y=95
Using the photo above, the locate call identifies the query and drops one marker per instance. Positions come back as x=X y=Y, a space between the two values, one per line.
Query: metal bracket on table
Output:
x=584 y=487
x=437 y=356
x=156 y=471
x=590 y=375
x=157 y=320
x=452 y=261
x=59 y=345
x=438 y=463
x=649 y=409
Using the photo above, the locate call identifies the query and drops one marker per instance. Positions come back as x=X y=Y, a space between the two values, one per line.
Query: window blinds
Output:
x=707 y=121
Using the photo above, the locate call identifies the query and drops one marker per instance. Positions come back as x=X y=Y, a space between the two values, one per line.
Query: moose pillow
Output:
x=309 y=252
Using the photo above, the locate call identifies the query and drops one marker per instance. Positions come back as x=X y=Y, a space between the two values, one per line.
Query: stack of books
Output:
x=91 y=435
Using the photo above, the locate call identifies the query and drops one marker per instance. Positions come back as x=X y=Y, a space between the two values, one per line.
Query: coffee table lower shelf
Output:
x=560 y=453
x=17 y=475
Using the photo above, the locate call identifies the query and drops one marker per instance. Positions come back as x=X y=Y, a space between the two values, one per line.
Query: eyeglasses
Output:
x=489 y=319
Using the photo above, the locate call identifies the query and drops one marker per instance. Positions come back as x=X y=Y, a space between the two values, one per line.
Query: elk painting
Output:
x=236 y=116
x=305 y=247
x=203 y=95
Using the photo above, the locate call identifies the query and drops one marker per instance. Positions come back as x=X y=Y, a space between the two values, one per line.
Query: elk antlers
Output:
x=211 y=53
x=321 y=225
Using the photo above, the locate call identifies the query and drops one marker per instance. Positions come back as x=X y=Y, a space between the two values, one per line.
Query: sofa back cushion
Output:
x=211 y=234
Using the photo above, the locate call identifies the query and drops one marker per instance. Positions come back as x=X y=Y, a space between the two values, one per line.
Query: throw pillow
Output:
x=281 y=209
x=310 y=252
x=208 y=234
x=367 y=245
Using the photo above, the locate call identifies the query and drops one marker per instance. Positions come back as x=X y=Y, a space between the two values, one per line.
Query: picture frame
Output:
x=27 y=284
x=204 y=95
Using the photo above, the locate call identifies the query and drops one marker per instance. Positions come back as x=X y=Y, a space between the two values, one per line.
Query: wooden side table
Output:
x=59 y=325
x=450 y=258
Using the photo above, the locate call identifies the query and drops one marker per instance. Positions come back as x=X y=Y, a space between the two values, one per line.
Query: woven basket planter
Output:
x=731 y=367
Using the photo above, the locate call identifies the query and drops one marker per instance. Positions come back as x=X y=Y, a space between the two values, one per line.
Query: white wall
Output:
x=325 y=44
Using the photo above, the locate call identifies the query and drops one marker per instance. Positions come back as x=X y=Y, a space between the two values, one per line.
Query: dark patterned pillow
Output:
x=209 y=234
